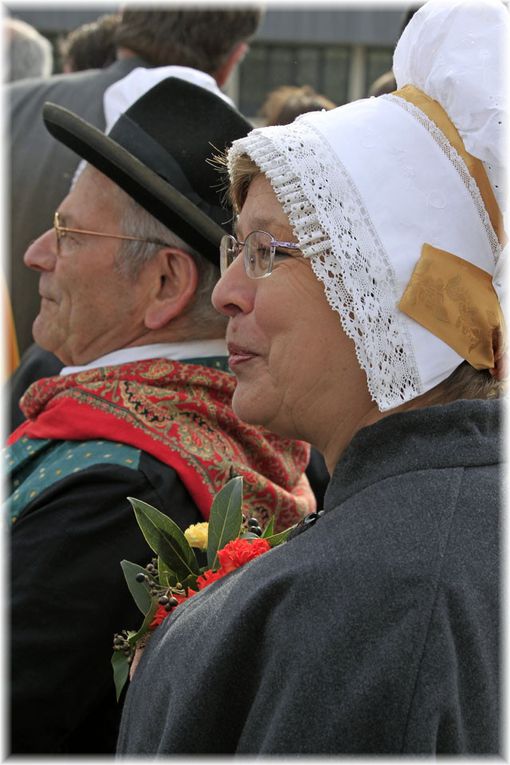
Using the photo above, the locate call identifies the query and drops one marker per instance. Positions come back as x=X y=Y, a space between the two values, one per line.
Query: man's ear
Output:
x=175 y=281
x=236 y=55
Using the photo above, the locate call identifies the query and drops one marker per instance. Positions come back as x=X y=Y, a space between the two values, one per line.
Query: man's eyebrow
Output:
x=67 y=220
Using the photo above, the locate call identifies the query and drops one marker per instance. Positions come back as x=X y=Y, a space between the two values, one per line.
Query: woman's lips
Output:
x=238 y=355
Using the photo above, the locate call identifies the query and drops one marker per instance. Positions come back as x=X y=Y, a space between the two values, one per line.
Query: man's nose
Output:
x=42 y=253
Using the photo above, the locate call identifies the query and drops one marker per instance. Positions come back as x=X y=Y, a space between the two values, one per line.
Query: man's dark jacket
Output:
x=375 y=631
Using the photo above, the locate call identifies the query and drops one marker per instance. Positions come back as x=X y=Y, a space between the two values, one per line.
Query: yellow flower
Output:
x=197 y=535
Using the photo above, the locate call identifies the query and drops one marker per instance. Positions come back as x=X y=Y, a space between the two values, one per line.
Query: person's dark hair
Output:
x=408 y=15
x=200 y=39
x=90 y=46
x=287 y=102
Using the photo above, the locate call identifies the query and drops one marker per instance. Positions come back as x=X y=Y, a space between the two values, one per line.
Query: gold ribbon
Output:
x=456 y=301
x=449 y=296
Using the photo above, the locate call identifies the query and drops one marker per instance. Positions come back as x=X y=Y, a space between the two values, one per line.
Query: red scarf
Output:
x=180 y=413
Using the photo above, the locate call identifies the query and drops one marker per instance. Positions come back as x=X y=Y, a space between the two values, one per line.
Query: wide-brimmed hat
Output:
x=158 y=153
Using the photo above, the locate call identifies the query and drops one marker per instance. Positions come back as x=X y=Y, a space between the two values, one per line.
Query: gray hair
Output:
x=27 y=53
x=202 y=320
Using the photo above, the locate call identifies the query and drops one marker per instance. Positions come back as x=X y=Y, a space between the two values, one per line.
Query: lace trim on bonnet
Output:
x=351 y=262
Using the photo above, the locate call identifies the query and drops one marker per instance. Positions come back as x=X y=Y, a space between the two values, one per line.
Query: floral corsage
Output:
x=175 y=574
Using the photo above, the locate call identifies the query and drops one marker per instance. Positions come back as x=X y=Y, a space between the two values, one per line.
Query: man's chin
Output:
x=42 y=337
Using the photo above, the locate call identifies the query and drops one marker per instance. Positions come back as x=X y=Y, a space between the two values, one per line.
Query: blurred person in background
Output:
x=27 y=53
x=90 y=46
x=386 y=83
x=285 y=103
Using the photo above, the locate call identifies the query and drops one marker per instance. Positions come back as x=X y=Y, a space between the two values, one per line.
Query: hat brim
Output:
x=146 y=187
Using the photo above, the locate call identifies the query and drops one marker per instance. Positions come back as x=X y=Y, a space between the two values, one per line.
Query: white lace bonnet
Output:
x=367 y=185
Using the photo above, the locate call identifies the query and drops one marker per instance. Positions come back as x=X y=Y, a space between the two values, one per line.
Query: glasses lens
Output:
x=257 y=254
x=228 y=252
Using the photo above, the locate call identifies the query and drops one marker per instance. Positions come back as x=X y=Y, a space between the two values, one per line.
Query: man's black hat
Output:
x=157 y=151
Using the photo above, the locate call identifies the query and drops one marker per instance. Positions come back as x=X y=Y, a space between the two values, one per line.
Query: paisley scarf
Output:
x=180 y=413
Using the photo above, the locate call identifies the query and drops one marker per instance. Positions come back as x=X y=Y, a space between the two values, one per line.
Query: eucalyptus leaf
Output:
x=138 y=590
x=167 y=577
x=134 y=637
x=172 y=556
x=165 y=538
x=120 y=664
x=225 y=519
x=269 y=530
x=277 y=539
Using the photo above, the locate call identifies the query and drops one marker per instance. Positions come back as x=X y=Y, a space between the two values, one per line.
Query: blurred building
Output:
x=338 y=51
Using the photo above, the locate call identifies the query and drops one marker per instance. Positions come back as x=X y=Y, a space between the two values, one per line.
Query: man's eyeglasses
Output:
x=61 y=231
x=259 y=252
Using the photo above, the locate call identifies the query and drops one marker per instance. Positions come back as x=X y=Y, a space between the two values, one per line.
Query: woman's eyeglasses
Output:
x=259 y=252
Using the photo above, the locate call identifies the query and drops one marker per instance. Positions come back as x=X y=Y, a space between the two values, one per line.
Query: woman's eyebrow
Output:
x=270 y=226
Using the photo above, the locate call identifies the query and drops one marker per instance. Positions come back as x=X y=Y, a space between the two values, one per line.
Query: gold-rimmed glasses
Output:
x=61 y=231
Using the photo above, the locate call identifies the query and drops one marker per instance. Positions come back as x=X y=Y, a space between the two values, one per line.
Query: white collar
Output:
x=195 y=349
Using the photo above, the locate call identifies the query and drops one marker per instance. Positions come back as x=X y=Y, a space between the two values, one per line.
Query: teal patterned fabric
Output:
x=34 y=464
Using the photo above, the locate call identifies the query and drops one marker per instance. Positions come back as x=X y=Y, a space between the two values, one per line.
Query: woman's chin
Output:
x=252 y=404
x=255 y=407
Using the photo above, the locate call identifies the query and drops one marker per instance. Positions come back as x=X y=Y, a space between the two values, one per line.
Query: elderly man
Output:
x=141 y=409
x=210 y=41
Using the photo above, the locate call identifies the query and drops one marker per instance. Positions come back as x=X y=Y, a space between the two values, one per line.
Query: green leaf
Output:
x=138 y=590
x=277 y=539
x=166 y=539
x=134 y=637
x=225 y=518
x=167 y=577
x=120 y=664
x=269 y=530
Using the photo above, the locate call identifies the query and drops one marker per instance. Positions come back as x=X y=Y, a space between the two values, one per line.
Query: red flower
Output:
x=208 y=577
x=240 y=551
x=234 y=555
x=159 y=616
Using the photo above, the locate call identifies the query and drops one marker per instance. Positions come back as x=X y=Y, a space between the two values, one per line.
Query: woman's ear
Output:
x=175 y=281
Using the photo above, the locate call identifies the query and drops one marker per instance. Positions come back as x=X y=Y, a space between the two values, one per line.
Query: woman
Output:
x=368 y=322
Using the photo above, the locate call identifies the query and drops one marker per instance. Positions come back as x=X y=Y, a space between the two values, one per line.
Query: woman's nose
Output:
x=41 y=254
x=234 y=292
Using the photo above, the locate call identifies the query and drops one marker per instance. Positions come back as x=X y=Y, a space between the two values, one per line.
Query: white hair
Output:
x=202 y=319
x=27 y=53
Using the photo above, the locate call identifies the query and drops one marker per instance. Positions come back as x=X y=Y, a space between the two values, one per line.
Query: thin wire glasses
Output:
x=259 y=252
x=61 y=231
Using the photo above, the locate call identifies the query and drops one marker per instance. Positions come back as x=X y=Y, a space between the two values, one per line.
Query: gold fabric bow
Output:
x=449 y=296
